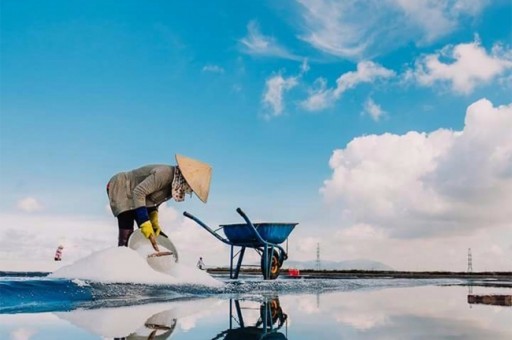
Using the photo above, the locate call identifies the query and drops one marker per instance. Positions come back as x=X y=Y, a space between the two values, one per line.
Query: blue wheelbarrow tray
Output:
x=241 y=234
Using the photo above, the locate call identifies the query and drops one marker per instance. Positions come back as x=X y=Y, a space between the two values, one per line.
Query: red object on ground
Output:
x=293 y=272
x=58 y=253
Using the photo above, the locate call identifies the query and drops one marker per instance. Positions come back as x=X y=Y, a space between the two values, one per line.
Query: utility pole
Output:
x=470 y=261
x=318 y=256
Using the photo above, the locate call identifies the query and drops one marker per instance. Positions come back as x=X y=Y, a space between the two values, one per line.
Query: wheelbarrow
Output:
x=264 y=238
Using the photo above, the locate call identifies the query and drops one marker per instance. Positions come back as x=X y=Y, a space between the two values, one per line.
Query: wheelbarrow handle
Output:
x=202 y=224
x=187 y=214
x=252 y=227
x=256 y=233
x=242 y=213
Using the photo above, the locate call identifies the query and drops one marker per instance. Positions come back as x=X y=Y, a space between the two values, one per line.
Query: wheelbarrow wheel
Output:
x=273 y=265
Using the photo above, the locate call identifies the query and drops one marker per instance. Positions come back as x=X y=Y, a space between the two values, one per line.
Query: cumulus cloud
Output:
x=29 y=204
x=363 y=232
x=255 y=43
x=79 y=235
x=341 y=241
x=275 y=87
x=345 y=28
x=373 y=110
x=321 y=97
x=468 y=65
x=308 y=245
x=82 y=236
x=22 y=333
x=425 y=184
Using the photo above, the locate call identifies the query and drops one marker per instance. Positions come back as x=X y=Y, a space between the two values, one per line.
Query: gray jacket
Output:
x=147 y=186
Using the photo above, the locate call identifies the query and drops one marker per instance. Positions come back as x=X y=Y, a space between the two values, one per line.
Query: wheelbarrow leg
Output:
x=233 y=272
x=266 y=263
x=239 y=313
x=231 y=263
x=239 y=263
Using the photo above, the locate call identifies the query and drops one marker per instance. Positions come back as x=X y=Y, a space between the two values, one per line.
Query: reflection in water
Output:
x=497 y=300
x=152 y=321
x=393 y=312
x=488 y=299
x=159 y=326
x=271 y=320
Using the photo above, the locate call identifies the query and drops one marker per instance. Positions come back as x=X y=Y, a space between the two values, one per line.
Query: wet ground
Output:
x=40 y=308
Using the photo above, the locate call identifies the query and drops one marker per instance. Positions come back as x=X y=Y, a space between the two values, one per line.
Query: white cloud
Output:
x=29 y=204
x=304 y=68
x=373 y=110
x=22 y=334
x=490 y=246
x=470 y=7
x=213 y=68
x=328 y=28
x=307 y=304
x=255 y=43
x=470 y=65
x=362 y=321
x=367 y=72
x=416 y=311
x=308 y=245
x=362 y=29
x=79 y=235
x=275 y=87
x=433 y=17
x=82 y=236
x=321 y=97
x=363 y=232
x=425 y=184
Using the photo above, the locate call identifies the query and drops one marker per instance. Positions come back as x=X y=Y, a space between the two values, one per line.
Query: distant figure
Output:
x=58 y=253
x=200 y=263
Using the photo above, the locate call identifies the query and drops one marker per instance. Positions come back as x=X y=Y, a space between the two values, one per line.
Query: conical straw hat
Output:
x=197 y=174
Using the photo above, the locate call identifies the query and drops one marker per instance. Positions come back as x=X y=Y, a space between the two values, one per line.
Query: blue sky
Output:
x=266 y=93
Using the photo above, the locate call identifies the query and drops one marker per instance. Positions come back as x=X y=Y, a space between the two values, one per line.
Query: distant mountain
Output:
x=360 y=264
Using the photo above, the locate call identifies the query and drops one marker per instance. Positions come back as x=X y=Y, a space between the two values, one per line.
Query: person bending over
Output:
x=135 y=195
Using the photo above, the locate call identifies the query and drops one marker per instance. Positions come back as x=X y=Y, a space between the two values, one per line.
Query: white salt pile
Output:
x=124 y=265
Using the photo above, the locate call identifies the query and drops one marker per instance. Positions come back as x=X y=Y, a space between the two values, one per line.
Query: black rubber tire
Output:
x=274 y=264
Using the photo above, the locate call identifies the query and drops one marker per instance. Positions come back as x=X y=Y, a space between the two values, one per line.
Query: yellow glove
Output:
x=147 y=229
x=153 y=217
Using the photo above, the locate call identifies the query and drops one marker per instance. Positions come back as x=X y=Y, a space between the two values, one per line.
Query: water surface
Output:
x=43 y=308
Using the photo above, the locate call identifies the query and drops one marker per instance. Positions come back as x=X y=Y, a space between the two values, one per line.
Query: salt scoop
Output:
x=160 y=261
